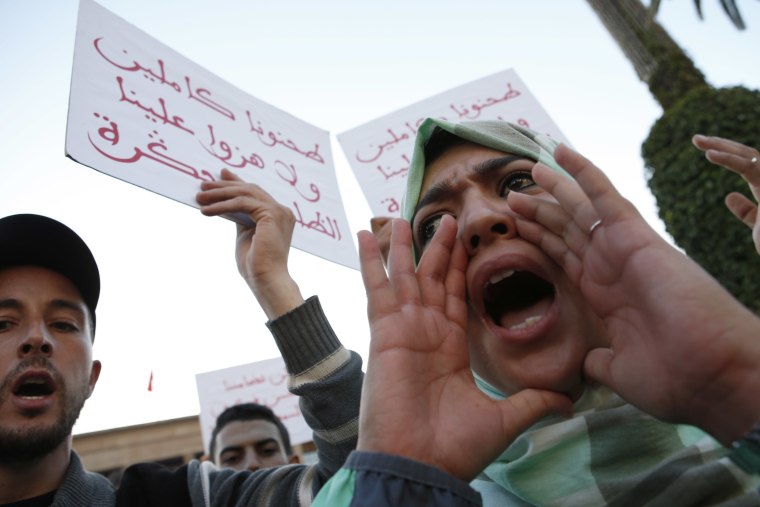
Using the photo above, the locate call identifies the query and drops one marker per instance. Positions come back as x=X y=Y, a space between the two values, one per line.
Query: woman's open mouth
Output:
x=517 y=299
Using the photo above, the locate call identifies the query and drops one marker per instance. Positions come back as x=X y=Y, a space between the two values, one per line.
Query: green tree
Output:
x=688 y=189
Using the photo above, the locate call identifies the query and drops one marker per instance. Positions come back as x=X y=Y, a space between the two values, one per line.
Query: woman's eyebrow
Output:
x=444 y=189
x=437 y=192
x=493 y=164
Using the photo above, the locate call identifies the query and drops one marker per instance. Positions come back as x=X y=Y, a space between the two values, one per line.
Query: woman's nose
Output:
x=485 y=222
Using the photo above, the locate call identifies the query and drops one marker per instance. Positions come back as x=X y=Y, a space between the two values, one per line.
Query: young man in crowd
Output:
x=249 y=436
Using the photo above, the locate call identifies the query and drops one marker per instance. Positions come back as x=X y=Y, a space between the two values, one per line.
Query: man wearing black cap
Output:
x=49 y=289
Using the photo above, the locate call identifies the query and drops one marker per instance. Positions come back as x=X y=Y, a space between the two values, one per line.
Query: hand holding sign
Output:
x=262 y=249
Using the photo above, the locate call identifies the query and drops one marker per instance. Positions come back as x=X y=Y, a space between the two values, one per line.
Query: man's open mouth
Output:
x=517 y=299
x=34 y=386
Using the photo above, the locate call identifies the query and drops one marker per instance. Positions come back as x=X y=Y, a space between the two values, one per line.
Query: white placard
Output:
x=262 y=382
x=379 y=151
x=145 y=114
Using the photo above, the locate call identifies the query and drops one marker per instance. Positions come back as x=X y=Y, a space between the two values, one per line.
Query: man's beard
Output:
x=26 y=445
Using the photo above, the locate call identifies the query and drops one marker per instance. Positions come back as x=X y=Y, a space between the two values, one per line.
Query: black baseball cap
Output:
x=36 y=240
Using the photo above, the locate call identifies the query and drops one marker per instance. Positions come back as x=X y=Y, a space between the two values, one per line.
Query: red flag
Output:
x=150 y=381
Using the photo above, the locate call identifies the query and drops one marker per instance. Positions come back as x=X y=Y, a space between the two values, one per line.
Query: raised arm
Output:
x=325 y=376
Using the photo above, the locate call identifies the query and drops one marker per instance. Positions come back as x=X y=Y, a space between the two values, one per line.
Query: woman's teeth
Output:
x=497 y=277
x=527 y=322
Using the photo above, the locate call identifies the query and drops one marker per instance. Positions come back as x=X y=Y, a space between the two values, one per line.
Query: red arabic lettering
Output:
x=476 y=108
x=232 y=387
x=271 y=139
x=319 y=224
x=413 y=130
x=277 y=400
x=110 y=133
x=176 y=121
x=389 y=173
x=203 y=96
x=393 y=207
x=279 y=379
x=395 y=139
x=291 y=415
x=149 y=73
x=292 y=179
x=252 y=159
x=254 y=381
x=155 y=151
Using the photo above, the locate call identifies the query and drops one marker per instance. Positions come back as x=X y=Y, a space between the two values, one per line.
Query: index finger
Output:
x=705 y=143
x=609 y=204
x=380 y=297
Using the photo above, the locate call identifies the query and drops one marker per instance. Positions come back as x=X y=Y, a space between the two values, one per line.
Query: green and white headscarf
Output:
x=499 y=135
x=609 y=452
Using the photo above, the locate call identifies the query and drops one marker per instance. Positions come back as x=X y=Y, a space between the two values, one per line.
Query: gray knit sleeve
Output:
x=328 y=379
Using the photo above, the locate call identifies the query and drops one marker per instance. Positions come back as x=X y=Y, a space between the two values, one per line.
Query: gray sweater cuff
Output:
x=304 y=336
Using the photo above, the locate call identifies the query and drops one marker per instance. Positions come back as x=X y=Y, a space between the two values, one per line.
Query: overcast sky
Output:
x=172 y=301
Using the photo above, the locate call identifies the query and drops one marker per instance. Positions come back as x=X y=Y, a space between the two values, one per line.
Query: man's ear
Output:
x=294 y=458
x=381 y=228
x=94 y=376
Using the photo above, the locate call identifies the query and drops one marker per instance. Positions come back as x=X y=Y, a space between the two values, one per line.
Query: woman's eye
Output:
x=517 y=181
x=427 y=229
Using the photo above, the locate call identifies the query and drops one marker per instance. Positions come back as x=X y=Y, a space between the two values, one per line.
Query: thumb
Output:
x=598 y=365
x=522 y=410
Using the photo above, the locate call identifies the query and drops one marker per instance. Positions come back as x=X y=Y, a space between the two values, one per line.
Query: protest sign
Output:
x=263 y=382
x=143 y=113
x=379 y=152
